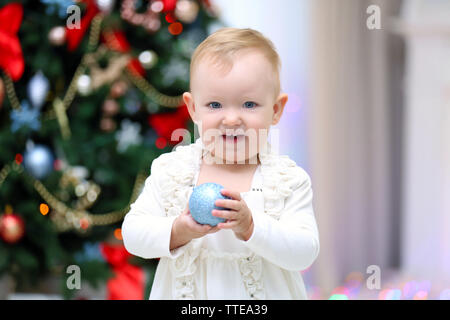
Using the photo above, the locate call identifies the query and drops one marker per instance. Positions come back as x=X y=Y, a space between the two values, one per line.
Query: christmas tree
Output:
x=90 y=94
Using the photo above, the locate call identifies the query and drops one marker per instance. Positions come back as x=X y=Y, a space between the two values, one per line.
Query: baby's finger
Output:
x=229 y=224
x=227 y=203
x=232 y=194
x=226 y=214
x=214 y=229
x=206 y=228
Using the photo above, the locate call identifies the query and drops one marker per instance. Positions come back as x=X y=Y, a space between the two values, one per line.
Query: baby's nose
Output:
x=232 y=118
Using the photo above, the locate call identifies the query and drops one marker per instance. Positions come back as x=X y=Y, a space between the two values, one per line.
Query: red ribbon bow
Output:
x=11 y=57
x=166 y=123
x=117 y=41
x=129 y=280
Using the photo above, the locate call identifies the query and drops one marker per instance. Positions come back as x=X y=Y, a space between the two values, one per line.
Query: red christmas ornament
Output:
x=12 y=227
x=11 y=57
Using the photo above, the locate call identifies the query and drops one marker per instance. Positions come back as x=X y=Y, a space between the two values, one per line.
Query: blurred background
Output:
x=84 y=111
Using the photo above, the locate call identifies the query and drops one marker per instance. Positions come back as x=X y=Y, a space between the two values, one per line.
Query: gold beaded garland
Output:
x=66 y=218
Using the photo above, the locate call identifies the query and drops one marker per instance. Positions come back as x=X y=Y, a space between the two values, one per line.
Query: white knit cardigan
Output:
x=175 y=173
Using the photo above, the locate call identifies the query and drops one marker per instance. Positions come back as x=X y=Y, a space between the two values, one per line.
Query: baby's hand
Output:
x=191 y=228
x=239 y=218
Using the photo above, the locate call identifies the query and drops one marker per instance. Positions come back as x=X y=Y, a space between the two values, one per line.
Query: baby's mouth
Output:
x=232 y=138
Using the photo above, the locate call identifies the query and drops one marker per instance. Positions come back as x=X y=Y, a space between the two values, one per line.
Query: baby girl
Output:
x=269 y=234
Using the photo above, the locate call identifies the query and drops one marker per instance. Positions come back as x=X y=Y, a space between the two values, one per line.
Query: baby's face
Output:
x=241 y=101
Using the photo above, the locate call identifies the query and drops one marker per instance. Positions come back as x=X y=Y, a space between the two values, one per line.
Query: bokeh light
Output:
x=18 y=158
x=118 y=234
x=175 y=28
x=383 y=294
x=409 y=289
x=445 y=295
x=44 y=209
x=160 y=143
x=421 y=295
x=314 y=293
x=394 y=294
x=84 y=223
x=338 y=297
x=170 y=18
x=340 y=293
x=353 y=283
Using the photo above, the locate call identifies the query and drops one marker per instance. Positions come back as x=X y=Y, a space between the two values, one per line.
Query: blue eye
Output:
x=249 y=103
x=214 y=103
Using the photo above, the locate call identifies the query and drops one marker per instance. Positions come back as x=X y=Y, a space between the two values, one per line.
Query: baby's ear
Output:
x=278 y=107
x=189 y=101
x=187 y=98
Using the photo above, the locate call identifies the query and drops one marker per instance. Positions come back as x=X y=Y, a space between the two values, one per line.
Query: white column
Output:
x=426 y=185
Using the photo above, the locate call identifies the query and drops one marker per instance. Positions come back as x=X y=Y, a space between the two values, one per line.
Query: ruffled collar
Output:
x=280 y=176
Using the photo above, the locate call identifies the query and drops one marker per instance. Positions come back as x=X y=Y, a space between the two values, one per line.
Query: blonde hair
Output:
x=223 y=44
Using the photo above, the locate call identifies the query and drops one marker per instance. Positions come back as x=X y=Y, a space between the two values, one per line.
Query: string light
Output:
x=19 y=158
x=43 y=208
x=118 y=234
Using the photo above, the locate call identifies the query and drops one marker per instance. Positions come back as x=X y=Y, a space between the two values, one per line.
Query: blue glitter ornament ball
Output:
x=201 y=203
